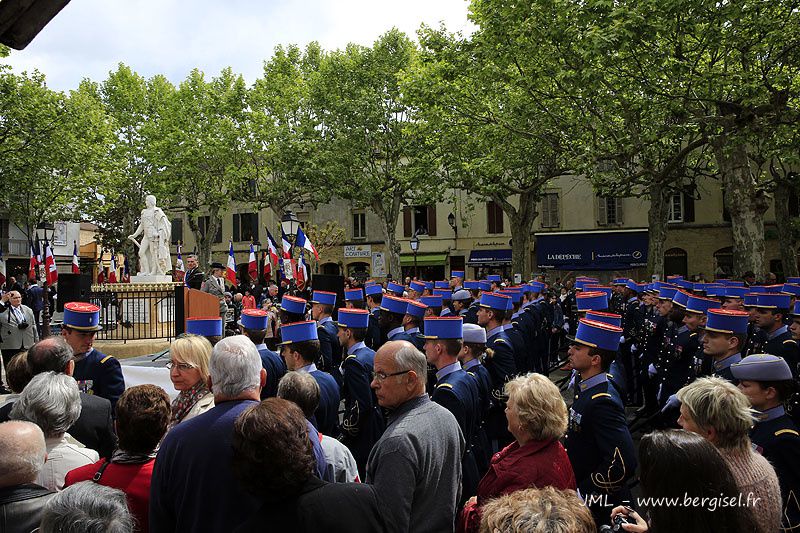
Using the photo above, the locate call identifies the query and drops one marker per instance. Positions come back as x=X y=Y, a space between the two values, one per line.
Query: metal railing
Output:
x=130 y=313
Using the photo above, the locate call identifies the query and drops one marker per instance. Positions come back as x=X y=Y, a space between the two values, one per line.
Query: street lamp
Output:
x=41 y=233
x=289 y=224
x=414 y=247
x=451 y=219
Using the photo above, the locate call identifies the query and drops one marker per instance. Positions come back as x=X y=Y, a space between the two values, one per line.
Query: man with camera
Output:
x=17 y=326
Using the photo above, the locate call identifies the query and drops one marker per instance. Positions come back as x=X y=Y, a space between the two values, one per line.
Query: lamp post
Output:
x=414 y=247
x=451 y=219
x=289 y=225
x=41 y=232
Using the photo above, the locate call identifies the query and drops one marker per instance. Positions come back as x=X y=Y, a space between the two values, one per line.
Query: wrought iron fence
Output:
x=133 y=312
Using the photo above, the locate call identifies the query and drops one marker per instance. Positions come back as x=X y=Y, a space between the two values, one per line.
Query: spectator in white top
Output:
x=52 y=402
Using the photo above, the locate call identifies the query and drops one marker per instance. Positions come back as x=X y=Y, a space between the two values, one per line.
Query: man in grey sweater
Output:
x=415 y=467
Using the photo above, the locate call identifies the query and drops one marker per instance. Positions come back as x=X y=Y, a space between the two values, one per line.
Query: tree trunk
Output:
x=746 y=205
x=783 y=222
x=389 y=215
x=657 y=219
x=521 y=220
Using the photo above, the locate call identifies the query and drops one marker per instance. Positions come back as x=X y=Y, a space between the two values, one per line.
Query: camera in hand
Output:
x=616 y=524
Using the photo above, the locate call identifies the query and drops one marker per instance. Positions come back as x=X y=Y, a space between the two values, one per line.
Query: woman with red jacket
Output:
x=143 y=415
x=537 y=418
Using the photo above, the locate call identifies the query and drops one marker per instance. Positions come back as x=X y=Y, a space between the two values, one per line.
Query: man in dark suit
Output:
x=93 y=428
x=194 y=276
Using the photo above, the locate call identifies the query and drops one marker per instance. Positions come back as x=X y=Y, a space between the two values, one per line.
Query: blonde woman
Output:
x=188 y=371
x=537 y=418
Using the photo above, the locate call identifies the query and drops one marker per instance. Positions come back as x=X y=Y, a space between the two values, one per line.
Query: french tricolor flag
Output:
x=230 y=271
x=252 y=264
x=76 y=266
x=112 y=272
x=303 y=242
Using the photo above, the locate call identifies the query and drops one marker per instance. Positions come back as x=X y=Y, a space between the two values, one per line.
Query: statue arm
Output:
x=139 y=230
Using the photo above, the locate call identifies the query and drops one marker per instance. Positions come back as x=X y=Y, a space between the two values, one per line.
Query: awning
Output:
x=489 y=257
x=423 y=260
x=614 y=250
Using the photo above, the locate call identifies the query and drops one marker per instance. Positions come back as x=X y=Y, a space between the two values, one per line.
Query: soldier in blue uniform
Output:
x=393 y=312
x=470 y=357
x=374 y=295
x=455 y=390
x=768 y=383
x=322 y=305
x=395 y=289
x=291 y=310
x=415 y=312
x=630 y=352
x=456 y=280
x=254 y=324
x=461 y=300
x=615 y=372
x=471 y=316
x=447 y=301
x=598 y=442
x=756 y=337
x=499 y=362
x=415 y=289
x=532 y=322
x=300 y=348
x=362 y=423
x=433 y=303
x=771 y=309
x=519 y=344
x=354 y=299
x=794 y=327
x=95 y=372
x=725 y=335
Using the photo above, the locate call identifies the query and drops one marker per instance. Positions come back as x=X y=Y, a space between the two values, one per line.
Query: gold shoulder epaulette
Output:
x=446 y=385
x=104 y=359
x=600 y=395
x=789 y=431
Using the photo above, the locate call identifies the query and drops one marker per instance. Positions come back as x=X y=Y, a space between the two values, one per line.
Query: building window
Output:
x=177 y=230
x=203 y=223
x=359 y=225
x=549 y=210
x=419 y=219
x=494 y=217
x=245 y=227
x=676 y=208
x=610 y=211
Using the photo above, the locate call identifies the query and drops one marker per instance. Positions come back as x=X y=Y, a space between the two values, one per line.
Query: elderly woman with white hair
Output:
x=719 y=412
x=52 y=402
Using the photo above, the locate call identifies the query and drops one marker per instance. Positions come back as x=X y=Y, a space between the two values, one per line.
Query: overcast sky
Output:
x=90 y=37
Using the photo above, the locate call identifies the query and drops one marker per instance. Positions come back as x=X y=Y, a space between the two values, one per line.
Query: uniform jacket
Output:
x=362 y=424
x=101 y=375
x=457 y=392
x=275 y=367
x=330 y=350
x=327 y=414
x=598 y=442
x=14 y=338
x=783 y=345
x=777 y=438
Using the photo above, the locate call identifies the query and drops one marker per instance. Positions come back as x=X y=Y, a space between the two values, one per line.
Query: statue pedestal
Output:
x=146 y=278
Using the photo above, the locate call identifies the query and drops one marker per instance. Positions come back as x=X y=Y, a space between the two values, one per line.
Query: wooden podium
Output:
x=199 y=304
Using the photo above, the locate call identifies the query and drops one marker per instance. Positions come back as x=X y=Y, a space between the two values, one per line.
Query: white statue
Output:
x=155 y=228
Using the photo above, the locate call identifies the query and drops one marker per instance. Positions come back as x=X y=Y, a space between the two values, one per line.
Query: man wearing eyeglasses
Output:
x=415 y=467
x=17 y=326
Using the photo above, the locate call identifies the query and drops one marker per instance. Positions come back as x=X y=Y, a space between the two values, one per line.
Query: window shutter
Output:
x=237 y=226
x=407 y=221
x=620 y=213
x=688 y=207
x=602 y=220
x=553 y=201
x=498 y=213
x=489 y=218
x=177 y=230
x=432 y=220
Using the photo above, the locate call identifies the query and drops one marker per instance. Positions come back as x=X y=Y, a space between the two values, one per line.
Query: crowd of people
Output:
x=422 y=406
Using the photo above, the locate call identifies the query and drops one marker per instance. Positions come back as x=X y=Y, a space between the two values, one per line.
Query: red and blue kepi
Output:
x=597 y=335
x=205 y=326
x=299 y=332
x=353 y=318
x=254 y=319
x=449 y=327
x=82 y=316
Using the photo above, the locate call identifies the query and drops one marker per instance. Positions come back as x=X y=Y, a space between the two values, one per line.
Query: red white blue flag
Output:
x=302 y=241
x=76 y=266
x=230 y=271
